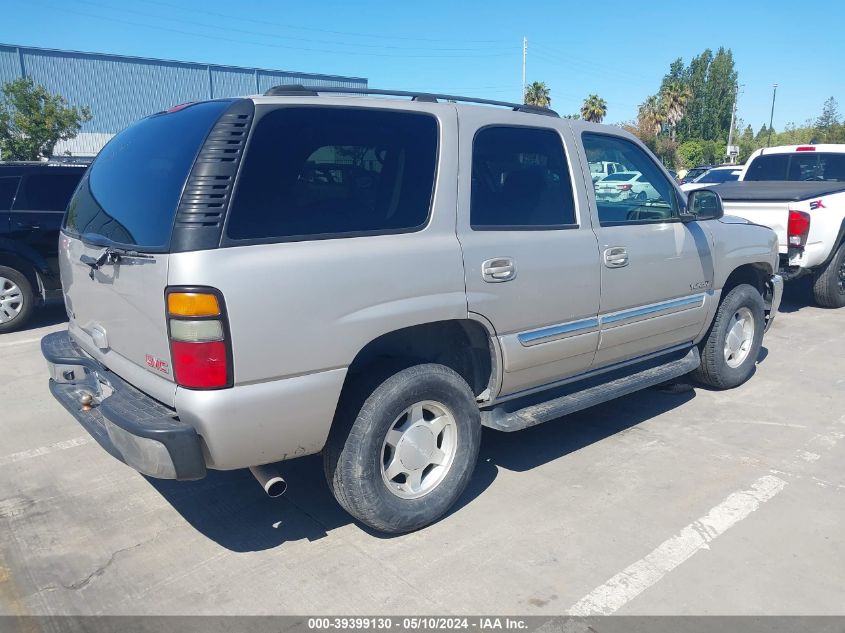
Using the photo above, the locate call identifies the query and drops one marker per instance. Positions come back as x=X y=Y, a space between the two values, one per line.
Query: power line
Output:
x=219 y=38
x=230 y=29
x=318 y=30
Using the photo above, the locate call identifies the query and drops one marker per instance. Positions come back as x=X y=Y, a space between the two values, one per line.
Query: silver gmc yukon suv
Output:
x=375 y=279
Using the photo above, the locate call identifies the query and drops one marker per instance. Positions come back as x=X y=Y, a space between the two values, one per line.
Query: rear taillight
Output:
x=798 y=228
x=200 y=347
x=623 y=187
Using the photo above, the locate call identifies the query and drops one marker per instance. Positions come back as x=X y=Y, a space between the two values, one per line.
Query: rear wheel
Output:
x=829 y=285
x=403 y=449
x=732 y=346
x=16 y=299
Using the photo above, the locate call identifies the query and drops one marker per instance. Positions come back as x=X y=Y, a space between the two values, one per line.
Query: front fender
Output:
x=738 y=244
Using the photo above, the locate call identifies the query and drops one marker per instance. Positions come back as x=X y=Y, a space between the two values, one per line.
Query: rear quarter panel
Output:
x=299 y=313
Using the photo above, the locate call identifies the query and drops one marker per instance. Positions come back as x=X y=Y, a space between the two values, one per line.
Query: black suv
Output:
x=33 y=197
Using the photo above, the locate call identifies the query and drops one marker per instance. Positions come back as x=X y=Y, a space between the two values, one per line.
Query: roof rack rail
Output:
x=298 y=90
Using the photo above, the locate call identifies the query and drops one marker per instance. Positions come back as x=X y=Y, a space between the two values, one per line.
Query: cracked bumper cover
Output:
x=128 y=424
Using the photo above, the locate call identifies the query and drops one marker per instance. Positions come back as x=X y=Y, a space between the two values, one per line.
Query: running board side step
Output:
x=501 y=419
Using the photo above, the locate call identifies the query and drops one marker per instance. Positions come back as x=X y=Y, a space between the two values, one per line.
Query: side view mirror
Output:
x=704 y=204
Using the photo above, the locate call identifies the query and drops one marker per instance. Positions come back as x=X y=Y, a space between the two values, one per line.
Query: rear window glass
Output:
x=520 y=179
x=319 y=172
x=46 y=191
x=719 y=175
x=806 y=166
x=8 y=187
x=621 y=176
x=132 y=190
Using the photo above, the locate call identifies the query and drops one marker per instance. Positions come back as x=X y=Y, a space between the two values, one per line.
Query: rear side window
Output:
x=131 y=192
x=8 y=187
x=318 y=172
x=806 y=166
x=46 y=192
x=520 y=180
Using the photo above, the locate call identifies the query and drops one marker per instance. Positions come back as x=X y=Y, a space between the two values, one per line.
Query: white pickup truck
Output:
x=799 y=191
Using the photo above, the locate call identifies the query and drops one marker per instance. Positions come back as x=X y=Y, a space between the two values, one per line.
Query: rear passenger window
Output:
x=638 y=192
x=8 y=187
x=520 y=180
x=321 y=172
x=46 y=192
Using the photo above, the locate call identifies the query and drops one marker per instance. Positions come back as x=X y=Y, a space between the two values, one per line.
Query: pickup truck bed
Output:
x=776 y=190
x=814 y=212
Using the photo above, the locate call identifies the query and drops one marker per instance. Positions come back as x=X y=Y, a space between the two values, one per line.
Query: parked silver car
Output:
x=253 y=280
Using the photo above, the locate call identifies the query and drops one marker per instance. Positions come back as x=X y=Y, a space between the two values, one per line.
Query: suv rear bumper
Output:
x=128 y=424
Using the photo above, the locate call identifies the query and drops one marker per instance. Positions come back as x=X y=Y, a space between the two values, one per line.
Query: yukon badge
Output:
x=700 y=285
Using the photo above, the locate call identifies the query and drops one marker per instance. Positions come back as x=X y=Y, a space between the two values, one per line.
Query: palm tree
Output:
x=674 y=96
x=651 y=116
x=538 y=94
x=594 y=109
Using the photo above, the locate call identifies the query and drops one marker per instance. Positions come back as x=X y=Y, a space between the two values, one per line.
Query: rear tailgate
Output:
x=775 y=215
x=117 y=315
x=116 y=239
x=769 y=202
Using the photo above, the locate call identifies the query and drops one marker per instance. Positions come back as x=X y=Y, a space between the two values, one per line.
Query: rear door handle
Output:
x=616 y=257
x=498 y=269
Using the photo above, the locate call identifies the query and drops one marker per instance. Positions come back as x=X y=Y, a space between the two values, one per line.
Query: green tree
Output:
x=651 y=116
x=538 y=94
x=674 y=97
x=827 y=126
x=32 y=120
x=594 y=109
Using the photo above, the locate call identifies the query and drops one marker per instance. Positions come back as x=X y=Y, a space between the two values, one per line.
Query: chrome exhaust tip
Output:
x=270 y=479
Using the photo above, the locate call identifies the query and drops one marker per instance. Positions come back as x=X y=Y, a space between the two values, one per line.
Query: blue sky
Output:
x=619 y=50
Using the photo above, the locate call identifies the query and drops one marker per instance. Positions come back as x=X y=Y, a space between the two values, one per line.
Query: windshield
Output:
x=719 y=175
x=806 y=166
x=130 y=193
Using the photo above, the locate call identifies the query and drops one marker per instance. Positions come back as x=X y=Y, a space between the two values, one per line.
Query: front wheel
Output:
x=730 y=351
x=403 y=451
x=829 y=285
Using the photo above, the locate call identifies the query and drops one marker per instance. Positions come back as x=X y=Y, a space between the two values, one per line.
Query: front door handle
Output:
x=498 y=269
x=616 y=257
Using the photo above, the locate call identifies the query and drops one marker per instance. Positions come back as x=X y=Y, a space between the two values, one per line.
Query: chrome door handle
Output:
x=616 y=257
x=498 y=269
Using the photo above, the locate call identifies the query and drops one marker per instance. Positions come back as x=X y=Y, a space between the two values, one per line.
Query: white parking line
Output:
x=44 y=450
x=20 y=342
x=636 y=578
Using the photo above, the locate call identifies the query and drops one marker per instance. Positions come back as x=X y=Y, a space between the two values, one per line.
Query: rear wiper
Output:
x=110 y=256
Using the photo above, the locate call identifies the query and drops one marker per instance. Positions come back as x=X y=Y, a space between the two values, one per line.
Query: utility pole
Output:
x=524 y=55
x=772 y=115
x=731 y=131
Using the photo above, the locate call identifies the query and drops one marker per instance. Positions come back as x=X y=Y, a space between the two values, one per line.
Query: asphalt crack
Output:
x=80 y=584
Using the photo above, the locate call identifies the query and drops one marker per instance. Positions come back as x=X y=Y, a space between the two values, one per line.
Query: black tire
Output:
x=354 y=452
x=18 y=313
x=829 y=285
x=714 y=370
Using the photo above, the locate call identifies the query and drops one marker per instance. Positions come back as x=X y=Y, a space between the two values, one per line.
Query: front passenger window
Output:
x=637 y=192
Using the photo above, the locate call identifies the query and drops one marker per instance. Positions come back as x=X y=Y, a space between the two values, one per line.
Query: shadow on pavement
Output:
x=231 y=509
x=797 y=294
x=43 y=316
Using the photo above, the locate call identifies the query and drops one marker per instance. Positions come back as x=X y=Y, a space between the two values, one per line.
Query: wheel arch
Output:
x=465 y=345
x=25 y=265
x=754 y=274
